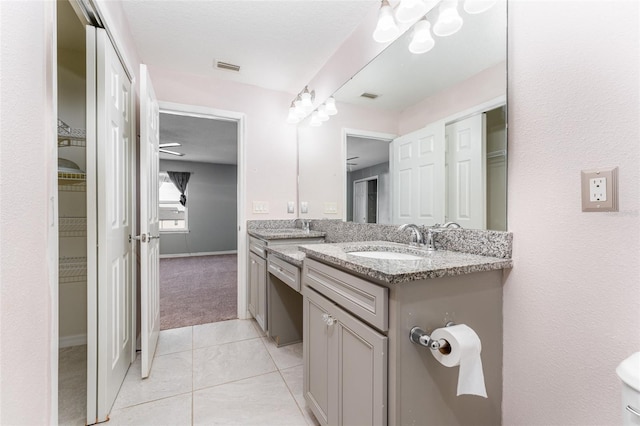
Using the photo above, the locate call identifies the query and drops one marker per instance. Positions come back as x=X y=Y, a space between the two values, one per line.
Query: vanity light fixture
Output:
x=293 y=117
x=410 y=10
x=449 y=21
x=307 y=98
x=330 y=106
x=300 y=112
x=421 y=42
x=478 y=6
x=386 y=29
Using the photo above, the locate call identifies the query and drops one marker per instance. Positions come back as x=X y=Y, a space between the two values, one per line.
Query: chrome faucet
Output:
x=416 y=231
x=304 y=224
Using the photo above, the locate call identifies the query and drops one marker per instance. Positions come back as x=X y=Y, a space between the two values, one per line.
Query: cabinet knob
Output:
x=328 y=319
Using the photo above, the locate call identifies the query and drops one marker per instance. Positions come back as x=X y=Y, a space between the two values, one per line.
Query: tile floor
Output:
x=223 y=373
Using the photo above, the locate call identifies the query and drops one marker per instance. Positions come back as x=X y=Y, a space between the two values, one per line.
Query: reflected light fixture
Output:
x=300 y=112
x=478 y=6
x=386 y=29
x=330 y=106
x=322 y=113
x=307 y=99
x=410 y=10
x=421 y=41
x=315 y=120
x=449 y=21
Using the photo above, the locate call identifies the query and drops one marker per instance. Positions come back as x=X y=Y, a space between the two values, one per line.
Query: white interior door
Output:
x=417 y=176
x=150 y=222
x=466 y=175
x=114 y=153
x=360 y=201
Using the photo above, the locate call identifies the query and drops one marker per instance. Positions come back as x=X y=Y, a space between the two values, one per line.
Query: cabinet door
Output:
x=261 y=284
x=316 y=356
x=253 y=284
x=345 y=366
x=359 y=355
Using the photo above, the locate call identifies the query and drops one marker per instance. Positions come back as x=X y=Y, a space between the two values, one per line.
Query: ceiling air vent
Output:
x=369 y=95
x=227 y=66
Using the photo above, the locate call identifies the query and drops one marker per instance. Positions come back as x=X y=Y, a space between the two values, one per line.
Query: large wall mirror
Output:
x=419 y=138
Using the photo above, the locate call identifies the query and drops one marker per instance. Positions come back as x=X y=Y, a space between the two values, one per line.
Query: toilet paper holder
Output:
x=420 y=337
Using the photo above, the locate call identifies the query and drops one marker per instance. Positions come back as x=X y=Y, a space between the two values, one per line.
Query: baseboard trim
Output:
x=75 y=340
x=205 y=253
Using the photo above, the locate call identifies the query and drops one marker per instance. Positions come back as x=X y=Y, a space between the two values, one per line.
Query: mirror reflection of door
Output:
x=365 y=200
x=368 y=180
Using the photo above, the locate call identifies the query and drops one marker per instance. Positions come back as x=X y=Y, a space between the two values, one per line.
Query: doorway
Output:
x=198 y=240
x=365 y=200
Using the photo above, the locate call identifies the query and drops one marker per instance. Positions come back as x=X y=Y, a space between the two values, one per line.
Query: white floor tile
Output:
x=171 y=375
x=175 y=340
x=174 y=411
x=293 y=379
x=219 y=364
x=262 y=400
x=223 y=332
x=284 y=356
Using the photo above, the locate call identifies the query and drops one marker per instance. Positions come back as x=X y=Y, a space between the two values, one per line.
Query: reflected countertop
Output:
x=284 y=233
x=433 y=264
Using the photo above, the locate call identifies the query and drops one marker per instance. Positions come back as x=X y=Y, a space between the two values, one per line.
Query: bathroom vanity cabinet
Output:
x=258 y=274
x=360 y=366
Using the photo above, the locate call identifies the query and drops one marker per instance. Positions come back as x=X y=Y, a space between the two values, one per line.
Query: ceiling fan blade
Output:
x=352 y=158
x=166 y=151
x=169 y=144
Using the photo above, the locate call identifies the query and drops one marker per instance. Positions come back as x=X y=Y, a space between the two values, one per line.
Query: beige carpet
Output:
x=197 y=290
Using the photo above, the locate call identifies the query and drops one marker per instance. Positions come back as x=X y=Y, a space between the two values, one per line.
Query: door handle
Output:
x=141 y=237
x=154 y=237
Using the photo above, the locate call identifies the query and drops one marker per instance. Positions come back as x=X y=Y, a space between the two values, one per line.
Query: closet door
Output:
x=149 y=221
x=110 y=115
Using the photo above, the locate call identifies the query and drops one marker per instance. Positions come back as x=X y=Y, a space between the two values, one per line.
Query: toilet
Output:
x=629 y=373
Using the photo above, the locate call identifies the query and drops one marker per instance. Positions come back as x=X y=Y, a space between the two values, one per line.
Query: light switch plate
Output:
x=291 y=207
x=331 y=208
x=600 y=190
x=304 y=207
x=260 y=207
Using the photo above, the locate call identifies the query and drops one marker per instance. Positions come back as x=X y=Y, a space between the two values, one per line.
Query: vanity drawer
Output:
x=258 y=247
x=288 y=273
x=367 y=300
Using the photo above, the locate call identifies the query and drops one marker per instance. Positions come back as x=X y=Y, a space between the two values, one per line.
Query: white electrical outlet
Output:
x=290 y=207
x=331 y=208
x=600 y=190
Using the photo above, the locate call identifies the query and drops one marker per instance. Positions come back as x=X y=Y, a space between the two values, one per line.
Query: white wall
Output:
x=572 y=300
x=28 y=244
x=270 y=142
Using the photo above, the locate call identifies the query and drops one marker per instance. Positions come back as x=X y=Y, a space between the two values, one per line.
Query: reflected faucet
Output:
x=452 y=225
x=416 y=231
x=304 y=224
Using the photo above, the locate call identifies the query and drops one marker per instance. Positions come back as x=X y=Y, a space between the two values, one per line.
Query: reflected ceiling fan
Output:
x=351 y=164
x=163 y=146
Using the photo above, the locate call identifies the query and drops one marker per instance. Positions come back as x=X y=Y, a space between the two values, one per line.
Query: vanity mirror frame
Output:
x=406 y=124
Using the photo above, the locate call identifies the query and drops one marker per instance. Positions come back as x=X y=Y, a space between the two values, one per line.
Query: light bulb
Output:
x=315 y=120
x=478 y=6
x=322 y=113
x=300 y=112
x=449 y=21
x=410 y=10
x=330 y=106
x=386 y=30
x=307 y=105
x=422 y=41
x=293 y=118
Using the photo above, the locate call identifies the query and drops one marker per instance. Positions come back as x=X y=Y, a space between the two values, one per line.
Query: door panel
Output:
x=360 y=202
x=467 y=172
x=417 y=175
x=150 y=221
x=113 y=154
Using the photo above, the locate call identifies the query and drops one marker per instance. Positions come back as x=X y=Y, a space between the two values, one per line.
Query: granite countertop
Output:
x=284 y=233
x=433 y=265
x=288 y=252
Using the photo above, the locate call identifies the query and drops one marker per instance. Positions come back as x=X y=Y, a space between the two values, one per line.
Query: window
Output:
x=173 y=215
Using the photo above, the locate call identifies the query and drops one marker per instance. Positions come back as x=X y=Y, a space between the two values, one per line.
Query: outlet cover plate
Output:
x=600 y=190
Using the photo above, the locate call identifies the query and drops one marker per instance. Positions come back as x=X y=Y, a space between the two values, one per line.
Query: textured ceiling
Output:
x=280 y=45
x=203 y=140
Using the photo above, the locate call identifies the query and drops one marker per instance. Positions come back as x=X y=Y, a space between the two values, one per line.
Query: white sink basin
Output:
x=387 y=255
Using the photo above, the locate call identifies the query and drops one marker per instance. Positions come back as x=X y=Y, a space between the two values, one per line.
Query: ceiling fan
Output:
x=349 y=165
x=162 y=147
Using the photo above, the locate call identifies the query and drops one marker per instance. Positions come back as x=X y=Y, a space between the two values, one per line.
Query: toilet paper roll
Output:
x=465 y=352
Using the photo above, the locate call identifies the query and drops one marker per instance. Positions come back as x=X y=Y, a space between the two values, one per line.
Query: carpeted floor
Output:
x=197 y=290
